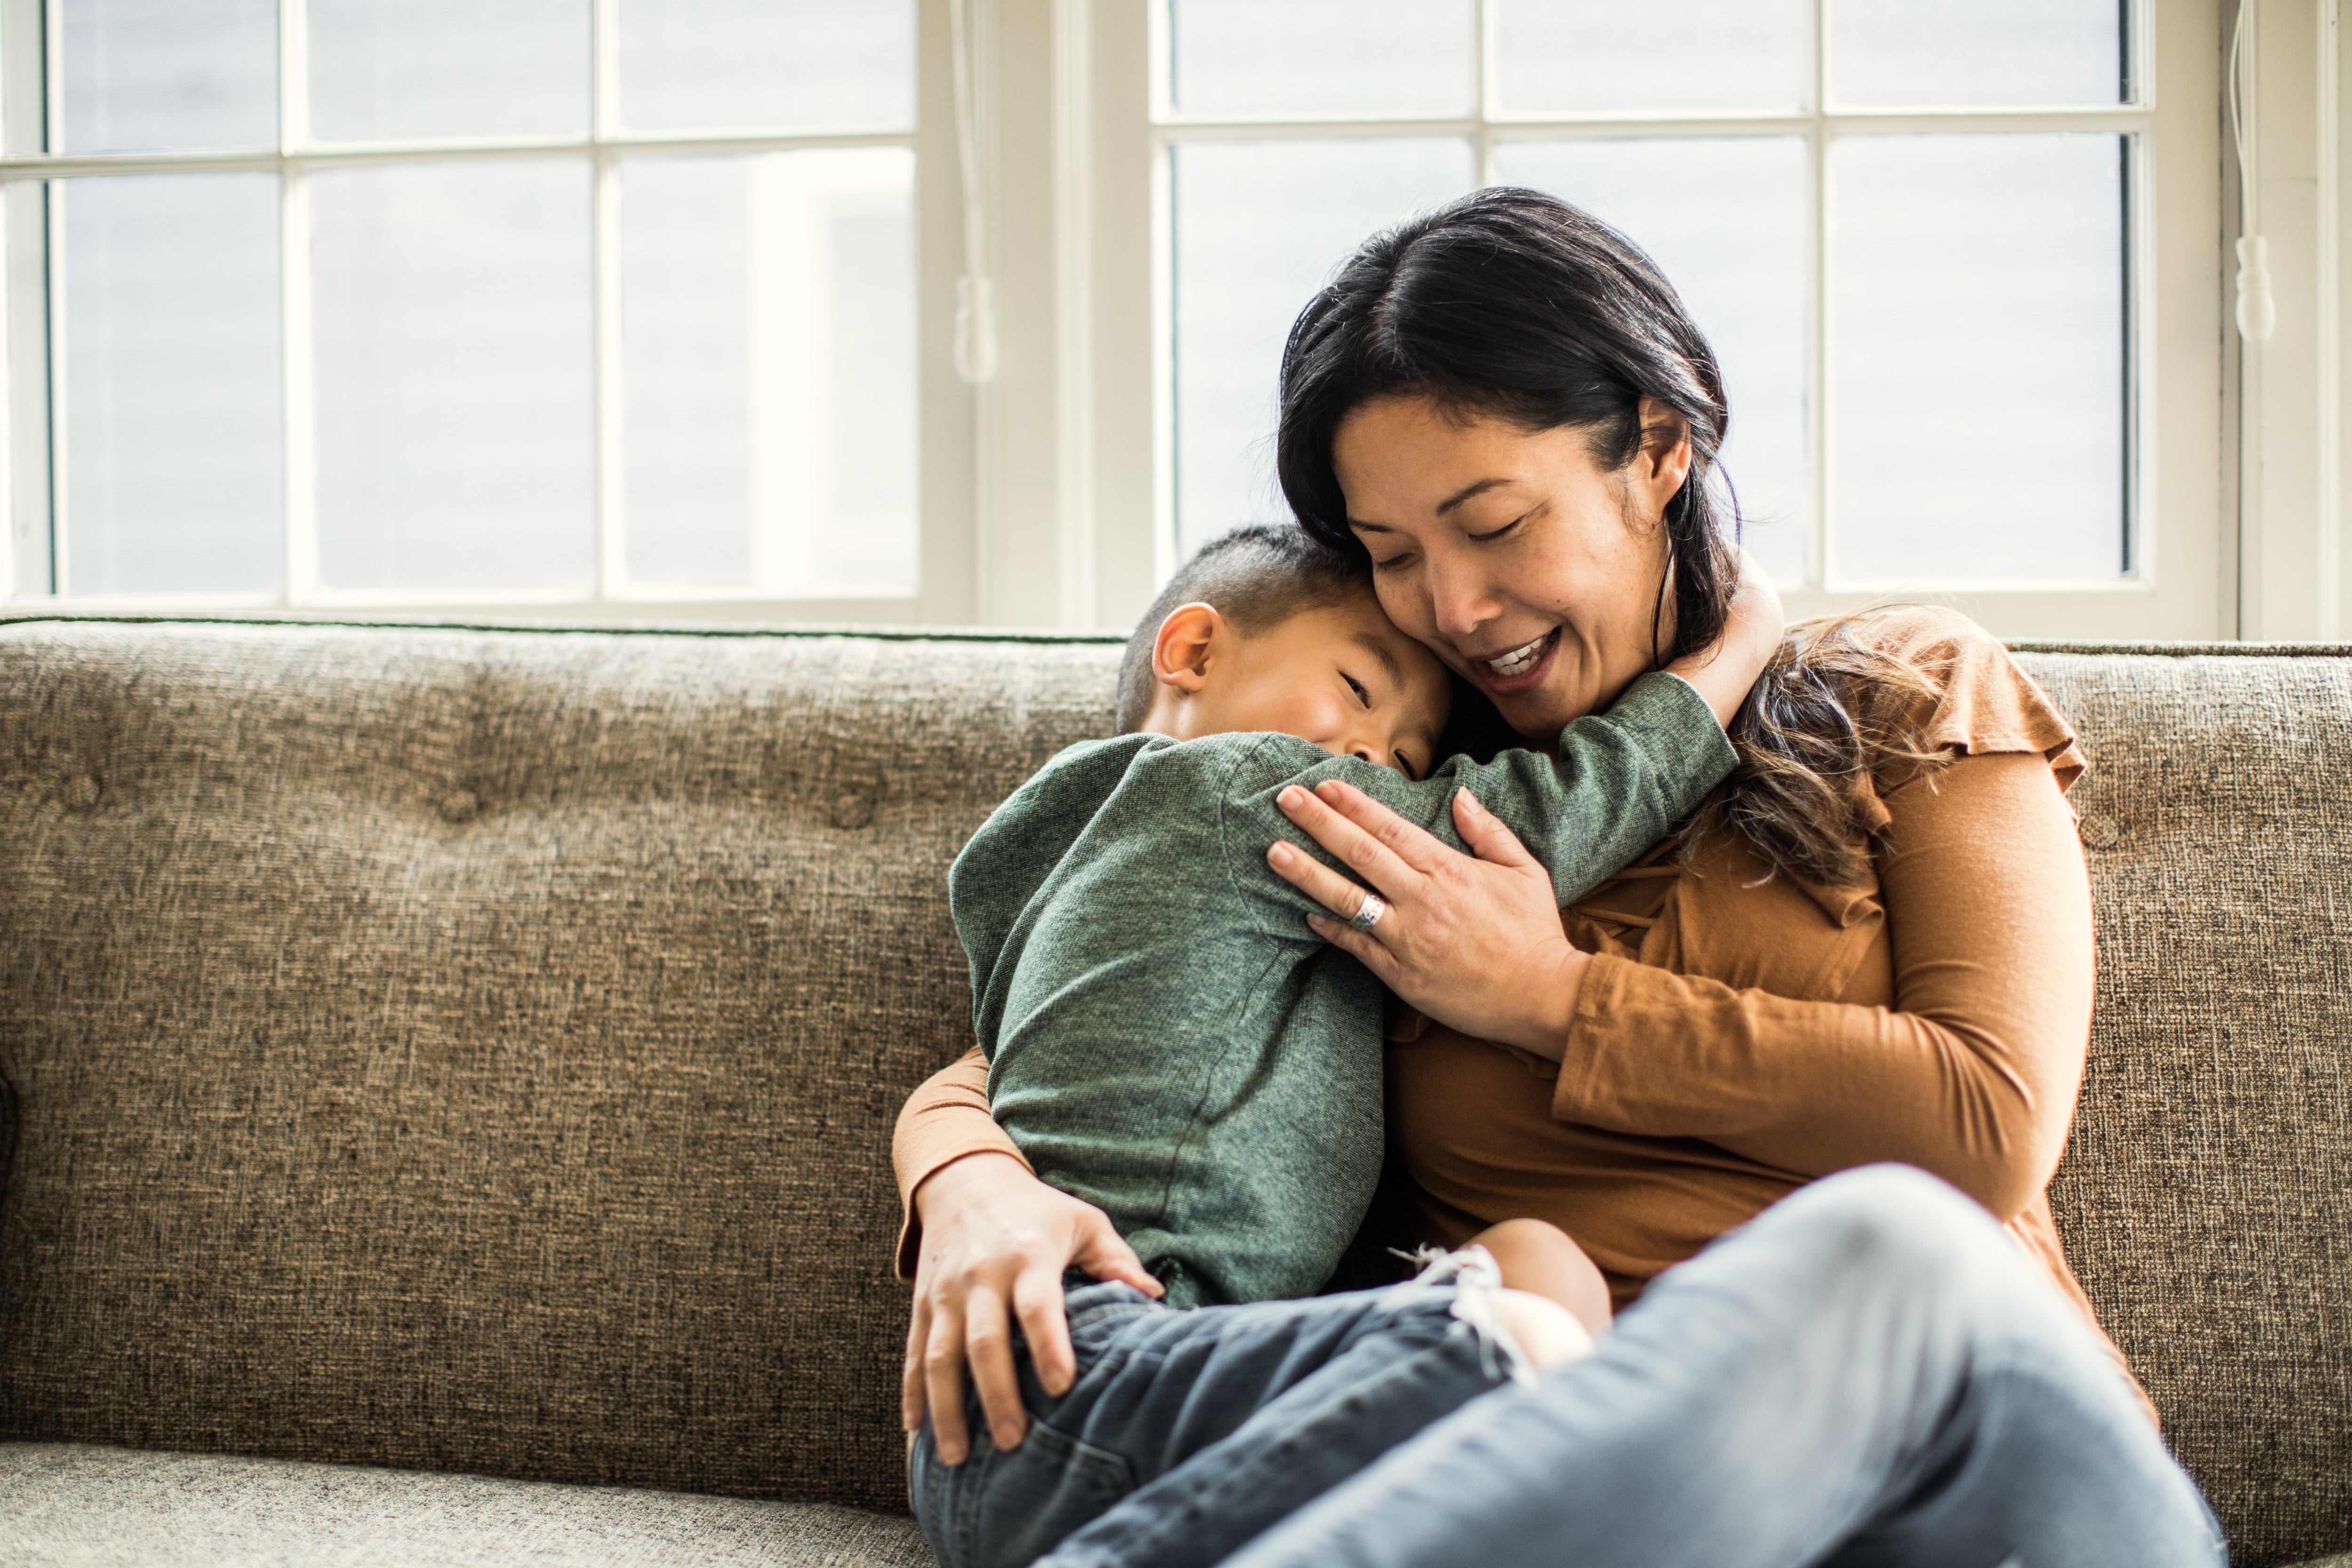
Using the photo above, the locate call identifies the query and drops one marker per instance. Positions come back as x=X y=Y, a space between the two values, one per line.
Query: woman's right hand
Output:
x=995 y=1243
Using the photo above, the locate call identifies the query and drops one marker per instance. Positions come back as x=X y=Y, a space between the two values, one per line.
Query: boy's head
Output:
x=1267 y=630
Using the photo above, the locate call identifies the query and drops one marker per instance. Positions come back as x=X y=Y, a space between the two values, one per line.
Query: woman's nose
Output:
x=1460 y=599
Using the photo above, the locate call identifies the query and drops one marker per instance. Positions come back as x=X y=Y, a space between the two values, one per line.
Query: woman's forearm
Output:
x=943 y=1120
x=1971 y=1074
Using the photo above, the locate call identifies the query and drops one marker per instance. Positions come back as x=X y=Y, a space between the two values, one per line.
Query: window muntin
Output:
x=1798 y=337
x=431 y=404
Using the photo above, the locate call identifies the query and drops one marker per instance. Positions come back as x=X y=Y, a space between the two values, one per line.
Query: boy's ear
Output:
x=1179 y=654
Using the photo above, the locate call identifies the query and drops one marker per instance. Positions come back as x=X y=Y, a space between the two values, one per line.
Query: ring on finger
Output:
x=1367 y=913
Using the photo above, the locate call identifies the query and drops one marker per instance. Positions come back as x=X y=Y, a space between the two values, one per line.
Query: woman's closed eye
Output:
x=1491 y=534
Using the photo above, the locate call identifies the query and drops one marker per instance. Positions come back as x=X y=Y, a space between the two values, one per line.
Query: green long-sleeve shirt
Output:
x=1166 y=1038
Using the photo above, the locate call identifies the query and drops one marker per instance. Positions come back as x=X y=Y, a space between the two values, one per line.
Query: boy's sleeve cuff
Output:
x=1666 y=716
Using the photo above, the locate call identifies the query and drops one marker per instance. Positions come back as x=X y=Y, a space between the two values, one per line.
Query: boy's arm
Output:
x=1724 y=671
x=1615 y=784
x=1620 y=781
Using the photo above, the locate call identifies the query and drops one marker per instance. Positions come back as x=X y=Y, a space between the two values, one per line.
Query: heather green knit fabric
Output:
x=1167 y=1039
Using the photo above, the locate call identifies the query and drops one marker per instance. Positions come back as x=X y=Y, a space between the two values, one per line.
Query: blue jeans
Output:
x=1186 y=1433
x=1870 y=1373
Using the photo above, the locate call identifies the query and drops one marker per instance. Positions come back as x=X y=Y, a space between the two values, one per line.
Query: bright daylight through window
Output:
x=1907 y=225
x=548 y=305
x=431 y=301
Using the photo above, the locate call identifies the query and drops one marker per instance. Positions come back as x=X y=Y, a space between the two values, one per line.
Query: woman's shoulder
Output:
x=1931 y=636
x=1965 y=693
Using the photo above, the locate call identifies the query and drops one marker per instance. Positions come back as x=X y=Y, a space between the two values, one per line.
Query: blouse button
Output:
x=2101 y=832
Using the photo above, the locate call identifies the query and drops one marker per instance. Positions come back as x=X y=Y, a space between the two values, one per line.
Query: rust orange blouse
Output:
x=1740 y=1033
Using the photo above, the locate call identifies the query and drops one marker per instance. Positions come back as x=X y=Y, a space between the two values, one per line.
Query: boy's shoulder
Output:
x=1207 y=766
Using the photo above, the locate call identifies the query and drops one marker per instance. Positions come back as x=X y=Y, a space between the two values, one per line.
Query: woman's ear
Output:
x=1664 y=460
x=1179 y=654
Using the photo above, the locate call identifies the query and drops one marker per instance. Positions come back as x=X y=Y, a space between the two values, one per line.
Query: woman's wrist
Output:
x=964 y=1178
x=1552 y=999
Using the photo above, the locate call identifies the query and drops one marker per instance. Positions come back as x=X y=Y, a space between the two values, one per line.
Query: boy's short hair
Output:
x=1257 y=577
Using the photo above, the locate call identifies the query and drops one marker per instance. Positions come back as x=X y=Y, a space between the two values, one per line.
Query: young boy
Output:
x=1168 y=1040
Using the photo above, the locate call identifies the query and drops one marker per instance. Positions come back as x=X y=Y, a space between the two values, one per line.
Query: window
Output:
x=624 y=308
x=1923 y=239
x=335 y=303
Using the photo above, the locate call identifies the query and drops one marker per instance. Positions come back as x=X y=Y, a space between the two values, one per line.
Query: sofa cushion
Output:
x=2206 y=1199
x=478 y=1052
x=71 y=1503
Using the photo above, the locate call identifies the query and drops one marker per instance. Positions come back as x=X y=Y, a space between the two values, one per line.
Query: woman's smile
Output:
x=1512 y=554
x=1522 y=669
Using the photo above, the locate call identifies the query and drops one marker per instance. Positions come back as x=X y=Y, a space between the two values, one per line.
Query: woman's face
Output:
x=1517 y=558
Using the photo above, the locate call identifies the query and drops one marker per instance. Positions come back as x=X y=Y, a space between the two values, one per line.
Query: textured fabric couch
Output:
x=449 y=1075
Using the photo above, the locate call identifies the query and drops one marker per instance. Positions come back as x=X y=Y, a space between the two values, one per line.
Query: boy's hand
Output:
x=1724 y=672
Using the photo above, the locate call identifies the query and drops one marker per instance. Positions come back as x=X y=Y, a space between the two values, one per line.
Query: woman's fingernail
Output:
x=1291 y=798
x=1280 y=856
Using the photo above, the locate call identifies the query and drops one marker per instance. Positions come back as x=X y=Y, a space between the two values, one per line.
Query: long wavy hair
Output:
x=1833 y=714
x=1513 y=303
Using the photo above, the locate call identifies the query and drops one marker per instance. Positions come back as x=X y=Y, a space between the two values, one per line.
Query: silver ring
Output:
x=1367 y=913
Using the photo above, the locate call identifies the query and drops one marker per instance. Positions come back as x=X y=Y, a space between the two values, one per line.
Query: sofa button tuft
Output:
x=853 y=810
x=2101 y=832
x=82 y=793
x=460 y=806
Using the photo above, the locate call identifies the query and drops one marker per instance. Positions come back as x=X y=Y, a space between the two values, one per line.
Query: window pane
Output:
x=1724 y=220
x=141 y=76
x=1569 y=57
x=454 y=375
x=770 y=64
x=1921 y=52
x=1258 y=227
x=768 y=322
x=393 y=70
x=174 y=432
x=1979 y=333
x=1321 y=56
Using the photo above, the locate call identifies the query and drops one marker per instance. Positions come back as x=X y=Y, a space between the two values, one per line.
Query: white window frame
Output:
x=2177 y=588
x=1047 y=496
x=32 y=456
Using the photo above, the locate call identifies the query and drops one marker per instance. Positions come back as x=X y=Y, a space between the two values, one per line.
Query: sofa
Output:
x=447 y=1076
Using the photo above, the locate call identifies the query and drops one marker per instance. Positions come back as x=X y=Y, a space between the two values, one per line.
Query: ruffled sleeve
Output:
x=1961 y=1052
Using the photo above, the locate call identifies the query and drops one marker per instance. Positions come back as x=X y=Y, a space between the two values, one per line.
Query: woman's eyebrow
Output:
x=1477 y=487
x=1464 y=494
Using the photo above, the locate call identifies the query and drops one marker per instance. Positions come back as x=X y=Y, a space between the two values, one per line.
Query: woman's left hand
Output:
x=1474 y=942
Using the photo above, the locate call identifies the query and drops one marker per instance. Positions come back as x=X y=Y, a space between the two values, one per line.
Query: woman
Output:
x=1874 y=944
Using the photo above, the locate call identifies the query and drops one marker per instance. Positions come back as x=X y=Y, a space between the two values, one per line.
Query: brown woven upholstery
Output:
x=477 y=1051
x=2207 y=1197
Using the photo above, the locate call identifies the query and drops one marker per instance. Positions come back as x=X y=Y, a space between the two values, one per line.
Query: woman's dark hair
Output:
x=1512 y=303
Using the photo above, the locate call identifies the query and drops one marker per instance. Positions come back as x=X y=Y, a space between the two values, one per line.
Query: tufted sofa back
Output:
x=478 y=1050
